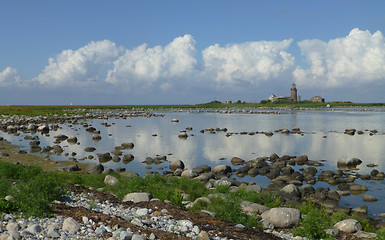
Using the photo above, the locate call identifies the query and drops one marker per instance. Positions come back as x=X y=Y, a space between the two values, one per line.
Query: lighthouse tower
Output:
x=293 y=92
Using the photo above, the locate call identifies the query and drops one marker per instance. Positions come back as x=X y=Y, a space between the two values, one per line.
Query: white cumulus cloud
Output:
x=79 y=67
x=9 y=76
x=144 y=66
x=251 y=62
x=356 y=59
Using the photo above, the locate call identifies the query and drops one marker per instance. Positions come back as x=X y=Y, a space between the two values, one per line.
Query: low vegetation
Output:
x=34 y=191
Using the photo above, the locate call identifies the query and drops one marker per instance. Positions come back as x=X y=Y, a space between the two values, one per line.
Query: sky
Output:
x=95 y=52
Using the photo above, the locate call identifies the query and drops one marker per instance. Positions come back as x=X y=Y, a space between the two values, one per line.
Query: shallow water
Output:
x=323 y=139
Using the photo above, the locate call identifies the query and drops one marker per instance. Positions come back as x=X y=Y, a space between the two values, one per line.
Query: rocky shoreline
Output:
x=293 y=186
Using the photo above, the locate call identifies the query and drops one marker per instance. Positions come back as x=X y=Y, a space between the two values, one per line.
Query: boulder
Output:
x=104 y=157
x=369 y=198
x=130 y=174
x=357 y=189
x=182 y=134
x=222 y=169
x=290 y=191
x=361 y=209
x=237 y=161
x=111 y=180
x=137 y=197
x=252 y=208
x=175 y=164
x=97 y=169
x=72 y=139
x=61 y=137
x=348 y=225
x=129 y=145
x=254 y=188
x=282 y=217
x=127 y=158
x=89 y=149
x=188 y=173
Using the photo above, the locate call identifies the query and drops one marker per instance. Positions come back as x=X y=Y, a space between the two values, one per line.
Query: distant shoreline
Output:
x=35 y=110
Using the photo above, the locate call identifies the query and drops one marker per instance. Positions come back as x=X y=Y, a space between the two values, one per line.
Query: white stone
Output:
x=137 y=197
x=282 y=217
x=142 y=212
x=348 y=225
x=70 y=225
x=111 y=180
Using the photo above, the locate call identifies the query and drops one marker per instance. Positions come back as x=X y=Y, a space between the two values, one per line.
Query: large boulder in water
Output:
x=175 y=164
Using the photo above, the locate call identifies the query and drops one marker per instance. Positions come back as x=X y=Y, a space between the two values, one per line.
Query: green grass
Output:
x=33 y=189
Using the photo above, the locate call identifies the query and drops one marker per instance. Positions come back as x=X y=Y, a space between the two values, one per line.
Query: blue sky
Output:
x=178 y=52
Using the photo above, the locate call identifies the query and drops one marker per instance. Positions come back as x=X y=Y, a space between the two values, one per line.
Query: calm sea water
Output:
x=323 y=139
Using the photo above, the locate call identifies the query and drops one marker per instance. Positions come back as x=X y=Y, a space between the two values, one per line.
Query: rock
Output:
x=96 y=137
x=130 y=174
x=182 y=134
x=10 y=198
x=111 y=180
x=96 y=169
x=137 y=197
x=104 y=157
x=89 y=149
x=203 y=235
x=254 y=188
x=237 y=161
x=307 y=190
x=252 y=208
x=361 y=209
x=350 y=131
x=73 y=168
x=34 y=229
x=175 y=164
x=13 y=226
x=369 y=198
x=70 y=225
x=282 y=217
x=43 y=128
x=365 y=235
x=222 y=169
x=290 y=191
x=202 y=169
x=127 y=158
x=61 y=137
x=188 y=173
x=72 y=140
x=129 y=145
x=348 y=225
x=274 y=157
x=203 y=199
x=357 y=189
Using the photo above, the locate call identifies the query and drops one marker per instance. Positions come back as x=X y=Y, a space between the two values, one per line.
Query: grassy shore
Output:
x=34 y=190
x=61 y=110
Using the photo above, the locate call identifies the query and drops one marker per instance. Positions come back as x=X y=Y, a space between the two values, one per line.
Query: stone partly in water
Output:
x=369 y=198
x=176 y=164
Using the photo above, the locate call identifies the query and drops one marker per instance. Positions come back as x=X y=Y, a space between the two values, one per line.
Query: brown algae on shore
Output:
x=10 y=153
